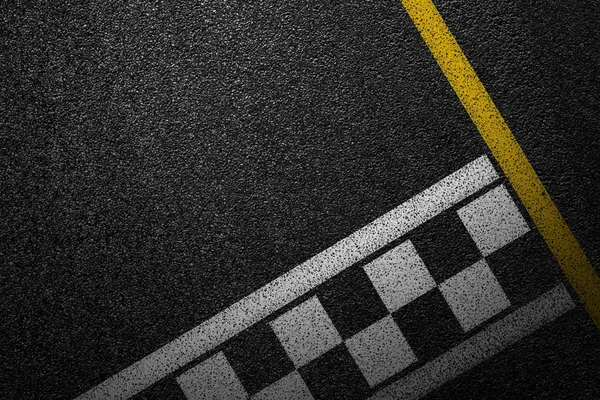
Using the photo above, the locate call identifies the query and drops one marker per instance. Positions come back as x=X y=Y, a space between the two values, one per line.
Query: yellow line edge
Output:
x=507 y=152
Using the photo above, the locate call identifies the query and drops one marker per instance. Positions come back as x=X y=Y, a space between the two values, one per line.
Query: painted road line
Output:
x=380 y=351
x=493 y=220
x=399 y=276
x=507 y=152
x=291 y=386
x=481 y=346
x=306 y=332
x=213 y=379
x=474 y=295
x=298 y=281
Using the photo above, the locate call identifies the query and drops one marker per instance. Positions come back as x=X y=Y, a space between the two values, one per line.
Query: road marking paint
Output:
x=474 y=295
x=291 y=386
x=493 y=220
x=507 y=152
x=214 y=379
x=306 y=332
x=298 y=281
x=380 y=351
x=481 y=346
x=399 y=276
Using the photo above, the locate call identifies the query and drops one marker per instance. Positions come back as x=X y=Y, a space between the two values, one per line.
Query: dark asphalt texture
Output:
x=161 y=160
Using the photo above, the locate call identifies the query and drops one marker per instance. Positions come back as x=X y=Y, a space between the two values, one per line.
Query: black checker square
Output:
x=445 y=246
x=335 y=375
x=429 y=326
x=351 y=301
x=258 y=358
x=525 y=268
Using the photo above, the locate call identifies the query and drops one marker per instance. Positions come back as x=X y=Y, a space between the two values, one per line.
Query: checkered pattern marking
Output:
x=306 y=332
x=289 y=387
x=370 y=323
x=493 y=220
x=213 y=379
x=400 y=276
x=474 y=295
x=380 y=351
x=258 y=357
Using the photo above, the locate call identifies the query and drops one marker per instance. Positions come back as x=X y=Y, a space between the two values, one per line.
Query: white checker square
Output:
x=493 y=220
x=399 y=276
x=290 y=387
x=474 y=295
x=213 y=379
x=380 y=351
x=306 y=332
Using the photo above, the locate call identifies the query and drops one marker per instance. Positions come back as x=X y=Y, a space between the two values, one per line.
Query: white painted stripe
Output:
x=293 y=284
x=480 y=347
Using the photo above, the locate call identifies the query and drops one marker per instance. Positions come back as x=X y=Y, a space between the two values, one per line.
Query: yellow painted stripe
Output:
x=507 y=152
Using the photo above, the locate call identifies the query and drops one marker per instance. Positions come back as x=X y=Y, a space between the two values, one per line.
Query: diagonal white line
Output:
x=293 y=284
x=481 y=346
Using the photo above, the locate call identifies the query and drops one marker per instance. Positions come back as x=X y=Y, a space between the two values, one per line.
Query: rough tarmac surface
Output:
x=161 y=160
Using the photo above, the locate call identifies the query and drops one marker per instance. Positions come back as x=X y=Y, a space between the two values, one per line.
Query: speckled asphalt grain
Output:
x=163 y=160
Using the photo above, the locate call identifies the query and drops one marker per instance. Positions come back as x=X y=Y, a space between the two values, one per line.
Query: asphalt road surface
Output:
x=164 y=160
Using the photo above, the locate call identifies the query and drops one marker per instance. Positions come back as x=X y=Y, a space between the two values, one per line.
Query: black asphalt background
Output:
x=162 y=160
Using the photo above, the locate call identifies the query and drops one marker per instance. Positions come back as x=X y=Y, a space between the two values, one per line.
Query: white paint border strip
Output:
x=298 y=281
x=480 y=347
